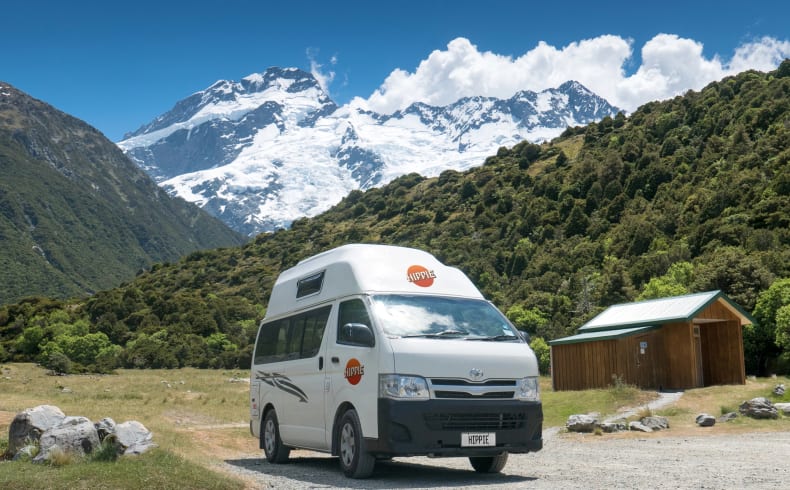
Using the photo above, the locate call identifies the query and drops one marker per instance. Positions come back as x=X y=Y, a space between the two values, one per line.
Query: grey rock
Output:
x=133 y=437
x=26 y=453
x=783 y=407
x=582 y=423
x=727 y=417
x=105 y=427
x=758 y=408
x=706 y=420
x=639 y=426
x=656 y=422
x=610 y=427
x=779 y=390
x=29 y=424
x=73 y=434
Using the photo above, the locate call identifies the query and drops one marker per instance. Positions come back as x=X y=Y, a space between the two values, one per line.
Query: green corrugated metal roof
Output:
x=604 y=335
x=660 y=311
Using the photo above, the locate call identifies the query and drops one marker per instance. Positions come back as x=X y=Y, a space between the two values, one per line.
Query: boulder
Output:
x=639 y=426
x=655 y=422
x=706 y=420
x=582 y=423
x=783 y=407
x=29 y=424
x=759 y=408
x=73 y=434
x=779 y=390
x=133 y=437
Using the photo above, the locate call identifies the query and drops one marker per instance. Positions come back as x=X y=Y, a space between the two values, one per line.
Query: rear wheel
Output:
x=489 y=464
x=355 y=461
x=273 y=447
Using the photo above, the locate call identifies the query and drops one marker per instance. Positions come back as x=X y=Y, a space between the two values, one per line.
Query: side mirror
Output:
x=524 y=335
x=359 y=334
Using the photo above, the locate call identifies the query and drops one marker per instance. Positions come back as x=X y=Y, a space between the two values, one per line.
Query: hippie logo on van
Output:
x=354 y=371
x=420 y=276
x=284 y=383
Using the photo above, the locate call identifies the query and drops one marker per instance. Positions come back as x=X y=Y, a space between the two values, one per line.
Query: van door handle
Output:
x=320 y=362
x=335 y=360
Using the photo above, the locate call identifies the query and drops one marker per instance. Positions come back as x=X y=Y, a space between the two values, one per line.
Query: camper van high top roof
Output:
x=359 y=269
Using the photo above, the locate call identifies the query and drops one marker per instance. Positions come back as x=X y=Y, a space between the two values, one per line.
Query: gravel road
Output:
x=753 y=460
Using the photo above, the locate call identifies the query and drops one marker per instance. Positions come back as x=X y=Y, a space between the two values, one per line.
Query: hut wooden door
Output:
x=645 y=361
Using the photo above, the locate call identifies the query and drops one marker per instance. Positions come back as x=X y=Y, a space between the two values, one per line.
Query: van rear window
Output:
x=310 y=285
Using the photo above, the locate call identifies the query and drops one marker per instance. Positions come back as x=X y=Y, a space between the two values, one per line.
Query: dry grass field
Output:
x=200 y=417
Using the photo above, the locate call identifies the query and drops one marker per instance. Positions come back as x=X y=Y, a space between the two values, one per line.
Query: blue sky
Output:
x=119 y=65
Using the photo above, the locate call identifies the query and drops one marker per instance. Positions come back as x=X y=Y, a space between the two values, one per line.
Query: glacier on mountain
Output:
x=273 y=147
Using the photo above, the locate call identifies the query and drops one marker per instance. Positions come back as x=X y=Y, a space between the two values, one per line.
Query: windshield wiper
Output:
x=437 y=335
x=496 y=338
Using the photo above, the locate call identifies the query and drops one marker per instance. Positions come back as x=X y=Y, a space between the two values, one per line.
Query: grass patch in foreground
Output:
x=155 y=469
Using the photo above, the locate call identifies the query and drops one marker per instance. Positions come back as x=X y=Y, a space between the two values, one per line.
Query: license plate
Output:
x=478 y=439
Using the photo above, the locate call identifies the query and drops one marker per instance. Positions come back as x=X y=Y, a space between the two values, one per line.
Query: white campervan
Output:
x=376 y=351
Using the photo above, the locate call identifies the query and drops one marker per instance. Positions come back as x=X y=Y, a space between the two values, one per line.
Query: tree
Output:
x=764 y=341
x=675 y=282
x=530 y=320
x=543 y=353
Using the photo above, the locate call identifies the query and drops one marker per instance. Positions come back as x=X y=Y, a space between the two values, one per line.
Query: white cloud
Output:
x=324 y=79
x=670 y=66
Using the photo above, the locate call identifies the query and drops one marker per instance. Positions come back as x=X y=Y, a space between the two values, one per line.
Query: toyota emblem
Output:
x=476 y=373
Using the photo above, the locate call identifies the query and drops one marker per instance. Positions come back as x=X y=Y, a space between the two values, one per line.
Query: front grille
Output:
x=461 y=388
x=463 y=394
x=474 y=421
x=463 y=382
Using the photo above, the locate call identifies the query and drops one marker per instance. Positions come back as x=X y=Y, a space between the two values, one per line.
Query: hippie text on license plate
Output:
x=478 y=439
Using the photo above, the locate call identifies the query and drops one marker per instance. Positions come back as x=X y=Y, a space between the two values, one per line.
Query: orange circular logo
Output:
x=420 y=276
x=354 y=371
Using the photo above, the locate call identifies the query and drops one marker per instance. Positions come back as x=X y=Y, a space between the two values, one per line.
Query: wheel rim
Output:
x=269 y=436
x=347 y=445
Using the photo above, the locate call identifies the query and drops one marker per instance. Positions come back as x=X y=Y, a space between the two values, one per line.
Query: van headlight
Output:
x=400 y=387
x=528 y=389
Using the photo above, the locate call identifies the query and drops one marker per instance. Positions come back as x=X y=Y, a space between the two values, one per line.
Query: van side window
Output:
x=314 y=326
x=351 y=311
x=295 y=337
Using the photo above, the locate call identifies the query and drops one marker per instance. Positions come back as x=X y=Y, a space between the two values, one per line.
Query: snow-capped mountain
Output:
x=274 y=147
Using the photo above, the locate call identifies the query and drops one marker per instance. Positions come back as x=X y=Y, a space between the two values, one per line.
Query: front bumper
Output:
x=434 y=427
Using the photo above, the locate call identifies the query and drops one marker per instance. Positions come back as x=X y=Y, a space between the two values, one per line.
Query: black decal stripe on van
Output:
x=284 y=383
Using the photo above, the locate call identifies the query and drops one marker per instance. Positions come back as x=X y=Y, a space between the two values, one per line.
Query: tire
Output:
x=273 y=447
x=355 y=461
x=489 y=464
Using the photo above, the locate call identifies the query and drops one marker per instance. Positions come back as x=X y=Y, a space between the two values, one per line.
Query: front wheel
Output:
x=355 y=461
x=273 y=447
x=489 y=464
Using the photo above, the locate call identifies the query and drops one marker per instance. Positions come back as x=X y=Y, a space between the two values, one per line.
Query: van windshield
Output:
x=441 y=317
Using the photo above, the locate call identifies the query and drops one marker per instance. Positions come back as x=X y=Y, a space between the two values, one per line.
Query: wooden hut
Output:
x=678 y=342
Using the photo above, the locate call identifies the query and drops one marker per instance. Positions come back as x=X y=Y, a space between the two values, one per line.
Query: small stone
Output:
x=706 y=420
x=581 y=423
x=727 y=417
x=639 y=426
x=656 y=422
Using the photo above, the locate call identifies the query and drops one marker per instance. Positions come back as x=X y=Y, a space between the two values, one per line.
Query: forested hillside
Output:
x=686 y=195
x=76 y=215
